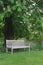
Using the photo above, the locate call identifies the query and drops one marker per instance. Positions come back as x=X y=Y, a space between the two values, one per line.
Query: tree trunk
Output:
x=9 y=29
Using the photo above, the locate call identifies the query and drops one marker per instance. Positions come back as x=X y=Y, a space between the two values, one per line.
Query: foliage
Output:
x=26 y=17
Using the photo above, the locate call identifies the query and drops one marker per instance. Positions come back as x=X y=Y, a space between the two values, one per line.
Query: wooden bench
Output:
x=16 y=44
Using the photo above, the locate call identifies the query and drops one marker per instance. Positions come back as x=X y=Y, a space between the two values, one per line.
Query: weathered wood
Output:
x=16 y=44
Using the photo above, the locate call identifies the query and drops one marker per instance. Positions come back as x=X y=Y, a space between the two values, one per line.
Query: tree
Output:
x=12 y=12
x=21 y=18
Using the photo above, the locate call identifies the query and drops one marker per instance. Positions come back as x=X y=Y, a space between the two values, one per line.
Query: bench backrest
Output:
x=11 y=43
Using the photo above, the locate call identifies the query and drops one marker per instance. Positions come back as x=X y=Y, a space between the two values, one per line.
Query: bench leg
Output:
x=29 y=49
x=6 y=50
x=11 y=50
x=24 y=49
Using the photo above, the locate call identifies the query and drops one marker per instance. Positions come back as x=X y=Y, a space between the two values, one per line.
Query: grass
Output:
x=22 y=58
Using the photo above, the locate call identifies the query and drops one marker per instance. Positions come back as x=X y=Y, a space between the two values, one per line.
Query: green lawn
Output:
x=22 y=58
